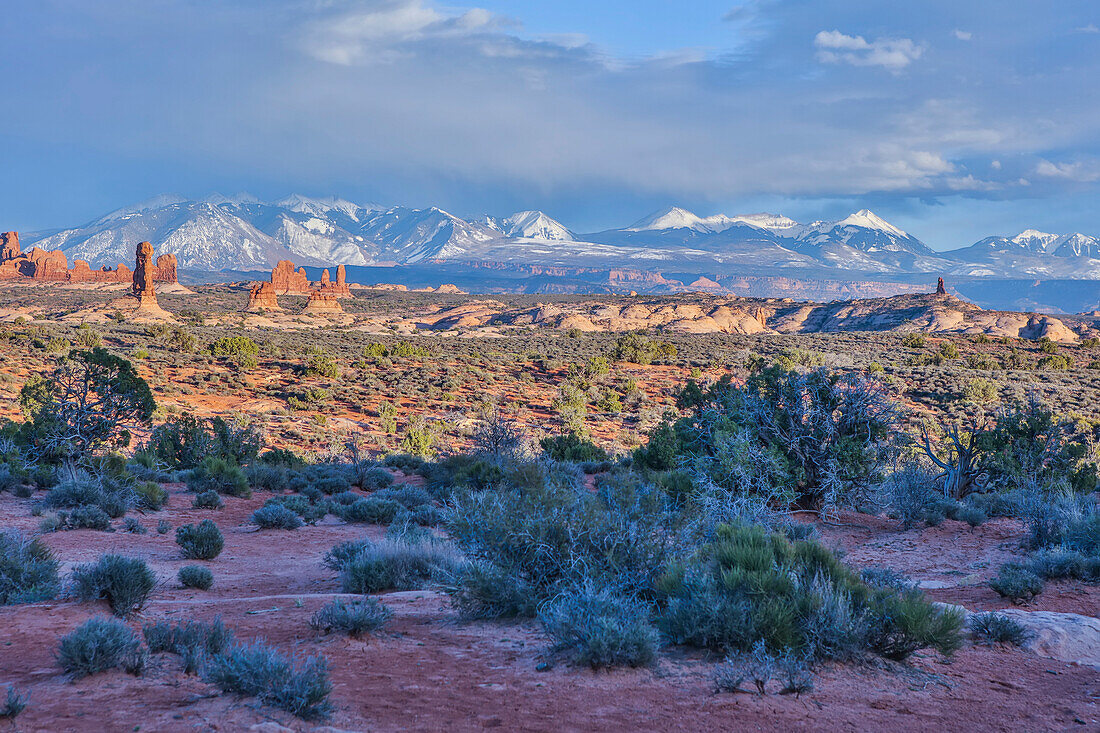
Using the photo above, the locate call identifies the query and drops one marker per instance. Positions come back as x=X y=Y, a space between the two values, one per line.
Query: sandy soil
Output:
x=427 y=671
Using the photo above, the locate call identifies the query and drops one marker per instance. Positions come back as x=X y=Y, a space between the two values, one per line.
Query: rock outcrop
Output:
x=9 y=246
x=143 y=288
x=321 y=304
x=262 y=297
x=40 y=265
x=288 y=281
x=339 y=288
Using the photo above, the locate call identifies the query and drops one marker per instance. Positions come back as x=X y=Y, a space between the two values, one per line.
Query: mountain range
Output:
x=242 y=233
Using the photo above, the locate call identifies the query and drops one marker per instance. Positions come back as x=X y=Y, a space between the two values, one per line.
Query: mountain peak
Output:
x=671 y=218
x=867 y=219
x=535 y=225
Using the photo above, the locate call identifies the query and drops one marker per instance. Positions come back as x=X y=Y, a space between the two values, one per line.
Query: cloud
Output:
x=1090 y=28
x=375 y=31
x=422 y=102
x=962 y=35
x=1080 y=171
x=894 y=54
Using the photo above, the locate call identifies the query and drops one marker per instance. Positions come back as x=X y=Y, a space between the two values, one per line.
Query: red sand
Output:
x=430 y=672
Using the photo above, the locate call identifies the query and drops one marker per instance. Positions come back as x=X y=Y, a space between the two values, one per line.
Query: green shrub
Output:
x=389 y=565
x=994 y=628
x=750 y=585
x=376 y=478
x=195 y=642
x=489 y=592
x=904 y=623
x=14 y=704
x=87 y=517
x=28 y=570
x=100 y=644
x=124 y=582
x=913 y=341
x=368 y=511
x=196 y=576
x=105 y=492
x=309 y=511
x=260 y=671
x=1017 y=582
x=353 y=618
x=202 y=541
x=207 y=500
x=150 y=495
x=276 y=516
x=636 y=348
x=221 y=475
x=238 y=349
x=572 y=447
x=599 y=629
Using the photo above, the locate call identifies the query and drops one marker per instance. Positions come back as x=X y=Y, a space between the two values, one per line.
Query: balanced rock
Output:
x=143 y=288
x=322 y=303
x=261 y=297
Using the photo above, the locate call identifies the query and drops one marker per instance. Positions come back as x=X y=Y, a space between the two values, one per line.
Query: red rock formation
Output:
x=165 y=270
x=322 y=303
x=340 y=288
x=53 y=266
x=289 y=282
x=9 y=246
x=261 y=297
x=143 y=275
x=940 y=289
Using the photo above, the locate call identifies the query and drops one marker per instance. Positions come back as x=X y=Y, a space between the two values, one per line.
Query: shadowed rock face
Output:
x=143 y=271
x=9 y=246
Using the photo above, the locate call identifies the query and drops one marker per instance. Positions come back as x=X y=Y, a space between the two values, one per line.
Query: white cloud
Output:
x=962 y=35
x=371 y=32
x=1081 y=172
x=894 y=54
x=1090 y=28
x=995 y=165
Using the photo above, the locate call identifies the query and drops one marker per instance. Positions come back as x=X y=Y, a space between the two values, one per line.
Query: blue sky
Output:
x=953 y=119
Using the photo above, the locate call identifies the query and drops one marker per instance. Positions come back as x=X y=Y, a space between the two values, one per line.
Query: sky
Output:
x=954 y=119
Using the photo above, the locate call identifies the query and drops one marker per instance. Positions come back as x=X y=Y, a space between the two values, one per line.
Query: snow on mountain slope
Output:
x=534 y=225
x=863 y=231
x=412 y=235
x=677 y=218
x=242 y=233
x=201 y=235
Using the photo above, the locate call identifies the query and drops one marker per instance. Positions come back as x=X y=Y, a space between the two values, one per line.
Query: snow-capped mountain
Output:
x=530 y=225
x=864 y=231
x=1036 y=242
x=243 y=233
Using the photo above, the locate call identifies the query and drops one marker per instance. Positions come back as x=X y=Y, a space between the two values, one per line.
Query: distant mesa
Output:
x=40 y=265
